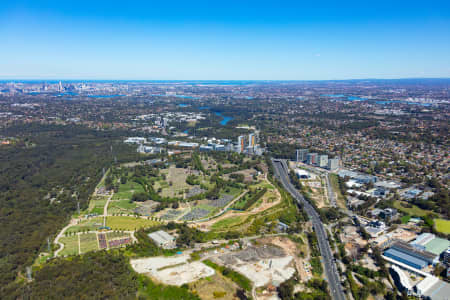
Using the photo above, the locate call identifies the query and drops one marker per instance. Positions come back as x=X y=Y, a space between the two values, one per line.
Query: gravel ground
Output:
x=222 y=201
x=195 y=213
x=171 y=214
x=194 y=192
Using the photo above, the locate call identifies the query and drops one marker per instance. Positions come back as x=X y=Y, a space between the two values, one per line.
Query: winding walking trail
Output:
x=60 y=234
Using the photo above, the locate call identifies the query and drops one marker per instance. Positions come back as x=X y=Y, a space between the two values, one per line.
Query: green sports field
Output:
x=442 y=225
x=128 y=223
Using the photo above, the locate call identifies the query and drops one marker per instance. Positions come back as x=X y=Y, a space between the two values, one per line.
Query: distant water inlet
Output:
x=225 y=119
x=344 y=98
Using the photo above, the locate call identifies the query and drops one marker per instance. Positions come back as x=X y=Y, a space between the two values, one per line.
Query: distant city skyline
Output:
x=233 y=40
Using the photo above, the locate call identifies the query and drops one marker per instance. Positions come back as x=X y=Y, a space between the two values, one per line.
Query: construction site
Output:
x=175 y=270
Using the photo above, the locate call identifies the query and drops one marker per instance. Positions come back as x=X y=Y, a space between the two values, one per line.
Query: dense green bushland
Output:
x=42 y=177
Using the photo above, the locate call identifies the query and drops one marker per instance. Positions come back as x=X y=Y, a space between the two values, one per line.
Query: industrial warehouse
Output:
x=411 y=256
x=413 y=262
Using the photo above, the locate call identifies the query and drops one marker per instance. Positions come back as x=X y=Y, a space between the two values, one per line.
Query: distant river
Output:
x=225 y=119
x=343 y=97
x=104 y=96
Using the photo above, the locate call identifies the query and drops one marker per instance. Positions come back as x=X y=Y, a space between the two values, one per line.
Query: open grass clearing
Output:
x=86 y=225
x=116 y=234
x=413 y=210
x=97 y=204
x=88 y=242
x=214 y=287
x=128 y=223
x=405 y=219
x=127 y=190
x=227 y=224
x=233 y=191
x=442 y=225
x=70 y=245
x=121 y=206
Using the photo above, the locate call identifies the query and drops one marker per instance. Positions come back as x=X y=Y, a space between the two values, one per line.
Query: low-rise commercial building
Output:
x=411 y=256
x=163 y=239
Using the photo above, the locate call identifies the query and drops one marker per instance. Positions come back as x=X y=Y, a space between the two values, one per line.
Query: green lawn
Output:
x=413 y=211
x=88 y=224
x=116 y=234
x=127 y=190
x=442 y=225
x=70 y=245
x=206 y=206
x=88 y=242
x=266 y=185
x=241 y=202
x=231 y=191
x=405 y=219
x=228 y=223
x=128 y=223
x=97 y=204
x=121 y=206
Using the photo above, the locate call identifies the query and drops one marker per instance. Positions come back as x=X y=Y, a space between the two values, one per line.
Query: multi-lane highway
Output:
x=281 y=171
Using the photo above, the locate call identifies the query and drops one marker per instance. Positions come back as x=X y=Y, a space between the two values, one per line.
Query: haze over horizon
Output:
x=235 y=40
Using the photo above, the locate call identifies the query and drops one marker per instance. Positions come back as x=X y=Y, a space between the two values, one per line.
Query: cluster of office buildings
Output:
x=318 y=160
x=245 y=144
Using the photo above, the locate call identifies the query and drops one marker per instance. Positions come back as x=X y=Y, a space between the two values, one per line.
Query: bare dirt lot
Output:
x=291 y=249
x=261 y=264
x=174 y=270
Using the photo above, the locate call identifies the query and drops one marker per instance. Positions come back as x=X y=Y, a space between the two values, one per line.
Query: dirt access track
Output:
x=206 y=226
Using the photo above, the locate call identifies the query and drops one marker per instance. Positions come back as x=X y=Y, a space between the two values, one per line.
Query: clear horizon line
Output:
x=281 y=80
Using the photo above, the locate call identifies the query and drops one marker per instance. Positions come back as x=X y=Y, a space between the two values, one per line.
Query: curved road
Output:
x=281 y=171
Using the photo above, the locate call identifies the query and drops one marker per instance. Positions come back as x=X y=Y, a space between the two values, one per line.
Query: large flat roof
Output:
x=407 y=248
x=438 y=291
x=405 y=258
x=161 y=237
x=437 y=246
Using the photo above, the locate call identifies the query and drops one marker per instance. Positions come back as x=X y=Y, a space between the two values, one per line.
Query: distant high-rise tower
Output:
x=323 y=161
x=251 y=140
x=301 y=154
x=60 y=87
x=241 y=139
x=333 y=163
x=312 y=158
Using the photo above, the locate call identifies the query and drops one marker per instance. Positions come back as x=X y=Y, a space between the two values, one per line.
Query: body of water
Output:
x=333 y=95
x=225 y=119
x=343 y=97
x=182 y=105
x=185 y=97
x=104 y=96
x=352 y=98
x=203 y=107
x=67 y=94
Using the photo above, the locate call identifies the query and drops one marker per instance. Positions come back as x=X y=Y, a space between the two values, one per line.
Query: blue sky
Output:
x=279 y=40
